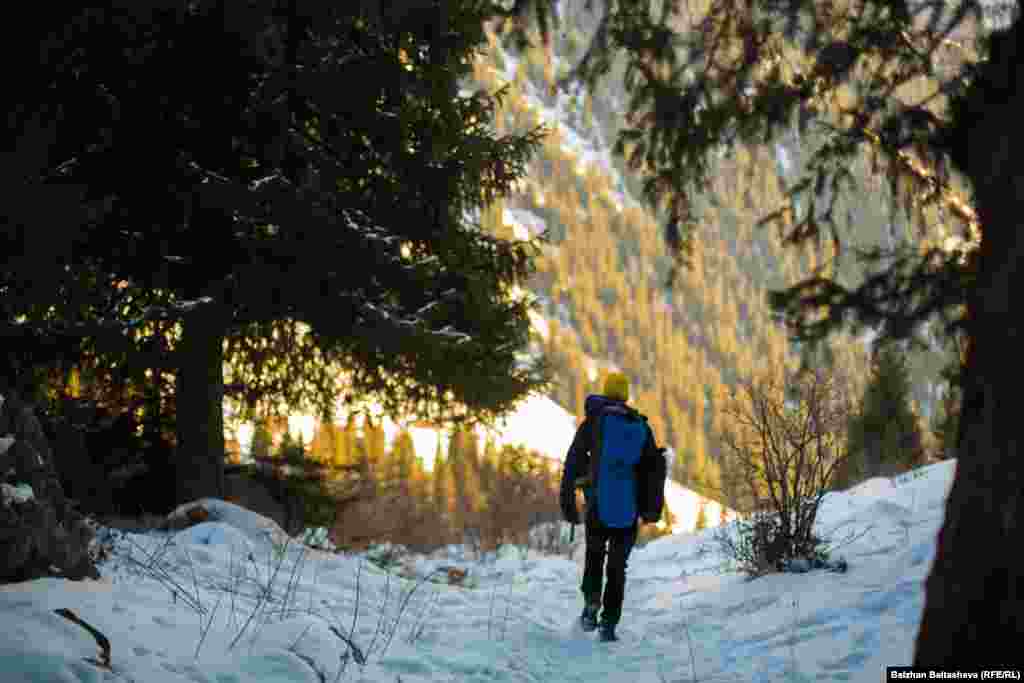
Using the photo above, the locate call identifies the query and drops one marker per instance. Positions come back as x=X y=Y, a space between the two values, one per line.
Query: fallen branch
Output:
x=311 y=663
x=101 y=640
x=357 y=654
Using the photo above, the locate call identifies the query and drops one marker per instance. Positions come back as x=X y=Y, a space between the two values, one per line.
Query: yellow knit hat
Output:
x=616 y=386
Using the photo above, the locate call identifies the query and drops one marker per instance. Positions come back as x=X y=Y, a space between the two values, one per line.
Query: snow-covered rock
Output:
x=21 y=493
x=259 y=530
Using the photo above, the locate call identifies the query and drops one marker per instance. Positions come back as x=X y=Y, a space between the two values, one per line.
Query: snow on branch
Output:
x=393 y=317
x=260 y=182
x=378 y=310
x=169 y=311
x=21 y=493
x=419 y=264
x=208 y=175
x=452 y=333
x=358 y=221
x=428 y=307
x=103 y=325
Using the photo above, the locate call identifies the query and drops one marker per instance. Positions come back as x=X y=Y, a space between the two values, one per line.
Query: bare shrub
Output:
x=517 y=492
x=521 y=496
x=781 y=444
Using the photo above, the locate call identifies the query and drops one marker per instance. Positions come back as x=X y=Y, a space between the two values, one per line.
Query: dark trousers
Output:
x=615 y=545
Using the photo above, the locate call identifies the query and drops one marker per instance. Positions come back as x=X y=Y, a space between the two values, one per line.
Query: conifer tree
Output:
x=376 y=442
x=290 y=447
x=404 y=505
x=702 y=517
x=349 y=447
x=442 y=495
x=327 y=444
x=318 y=445
x=322 y=144
x=261 y=441
x=335 y=444
x=460 y=471
x=946 y=423
x=885 y=436
x=488 y=467
x=946 y=417
x=403 y=459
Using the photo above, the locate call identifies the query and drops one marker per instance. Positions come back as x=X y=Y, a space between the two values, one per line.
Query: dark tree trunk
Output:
x=973 y=608
x=199 y=398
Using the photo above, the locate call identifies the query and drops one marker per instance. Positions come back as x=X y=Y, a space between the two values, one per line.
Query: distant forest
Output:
x=601 y=280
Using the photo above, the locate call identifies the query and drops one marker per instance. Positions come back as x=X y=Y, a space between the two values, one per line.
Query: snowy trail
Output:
x=242 y=608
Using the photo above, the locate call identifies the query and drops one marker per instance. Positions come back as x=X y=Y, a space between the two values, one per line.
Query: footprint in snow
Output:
x=202 y=556
x=852 y=661
x=163 y=621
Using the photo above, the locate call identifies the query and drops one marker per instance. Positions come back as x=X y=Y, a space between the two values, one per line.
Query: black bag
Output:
x=651 y=489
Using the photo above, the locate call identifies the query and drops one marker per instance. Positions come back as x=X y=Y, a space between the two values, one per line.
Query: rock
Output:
x=185 y=516
x=456 y=576
x=22 y=493
x=245 y=490
x=799 y=565
x=198 y=515
x=41 y=534
x=21 y=422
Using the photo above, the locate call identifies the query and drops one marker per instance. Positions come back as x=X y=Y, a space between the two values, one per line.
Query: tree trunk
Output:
x=199 y=397
x=973 y=597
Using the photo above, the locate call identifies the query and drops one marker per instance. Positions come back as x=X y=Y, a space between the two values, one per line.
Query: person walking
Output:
x=614 y=459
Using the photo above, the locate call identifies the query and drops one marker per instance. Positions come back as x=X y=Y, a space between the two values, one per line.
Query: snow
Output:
x=256 y=528
x=21 y=493
x=539 y=424
x=304 y=425
x=782 y=160
x=540 y=325
x=589 y=151
x=5 y=442
x=524 y=223
x=207 y=612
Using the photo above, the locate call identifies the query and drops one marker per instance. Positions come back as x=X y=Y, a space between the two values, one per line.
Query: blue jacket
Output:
x=582 y=459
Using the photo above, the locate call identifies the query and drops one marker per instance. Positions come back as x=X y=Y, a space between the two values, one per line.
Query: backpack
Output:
x=621 y=437
x=651 y=496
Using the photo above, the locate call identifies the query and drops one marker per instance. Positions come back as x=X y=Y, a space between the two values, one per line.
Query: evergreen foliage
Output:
x=702 y=518
x=879 y=79
x=291 y=451
x=613 y=252
x=261 y=441
x=320 y=145
x=946 y=419
x=946 y=424
x=885 y=436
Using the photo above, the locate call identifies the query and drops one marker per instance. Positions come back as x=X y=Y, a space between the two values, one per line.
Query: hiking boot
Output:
x=588 y=620
x=608 y=633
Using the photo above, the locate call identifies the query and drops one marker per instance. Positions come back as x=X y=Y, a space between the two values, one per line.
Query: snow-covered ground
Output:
x=228 y=601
